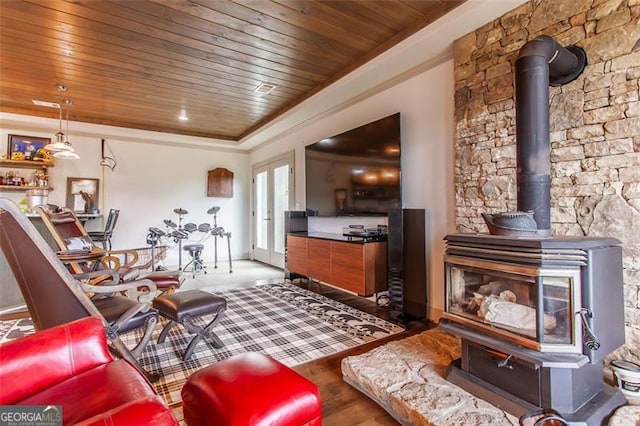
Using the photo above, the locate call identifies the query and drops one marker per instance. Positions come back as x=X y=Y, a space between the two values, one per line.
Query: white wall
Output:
x=149 y=181
x=425 y=102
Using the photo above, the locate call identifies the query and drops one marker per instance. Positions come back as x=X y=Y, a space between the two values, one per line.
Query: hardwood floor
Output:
x=343 y=404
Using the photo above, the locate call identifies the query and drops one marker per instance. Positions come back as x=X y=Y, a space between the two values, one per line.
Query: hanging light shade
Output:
x=68 y=153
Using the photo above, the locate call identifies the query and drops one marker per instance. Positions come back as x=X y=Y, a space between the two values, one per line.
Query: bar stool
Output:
x=196 y=263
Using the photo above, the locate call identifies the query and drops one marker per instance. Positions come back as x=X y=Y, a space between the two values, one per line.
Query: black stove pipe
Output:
x=541 y=62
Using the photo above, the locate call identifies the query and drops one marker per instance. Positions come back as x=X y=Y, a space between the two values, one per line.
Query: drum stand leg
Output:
x=215 y=242
x=153 y=256
x=229 y=251
x=215 y=253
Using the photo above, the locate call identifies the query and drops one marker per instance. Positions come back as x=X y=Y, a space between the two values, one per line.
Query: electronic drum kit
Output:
x=180 y=232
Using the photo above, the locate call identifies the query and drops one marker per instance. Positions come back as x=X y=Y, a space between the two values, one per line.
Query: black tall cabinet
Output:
x=407 y=270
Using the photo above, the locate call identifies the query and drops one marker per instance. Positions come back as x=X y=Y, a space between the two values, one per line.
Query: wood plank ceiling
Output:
x=139 y=63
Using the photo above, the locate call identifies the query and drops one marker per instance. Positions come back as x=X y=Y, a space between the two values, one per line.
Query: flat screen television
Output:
x=355 y=173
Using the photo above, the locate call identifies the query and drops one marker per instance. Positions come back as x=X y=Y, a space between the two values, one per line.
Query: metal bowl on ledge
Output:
x=511 y=223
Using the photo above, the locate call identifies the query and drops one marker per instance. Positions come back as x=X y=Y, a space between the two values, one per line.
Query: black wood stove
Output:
x=537 y=317
x=537 y=314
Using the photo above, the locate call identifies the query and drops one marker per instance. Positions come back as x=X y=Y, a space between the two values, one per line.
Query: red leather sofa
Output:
x=70 y=365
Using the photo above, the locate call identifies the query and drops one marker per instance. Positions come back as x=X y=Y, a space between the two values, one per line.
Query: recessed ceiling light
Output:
x=183 y=116
x=264 y=88
x=392 y=150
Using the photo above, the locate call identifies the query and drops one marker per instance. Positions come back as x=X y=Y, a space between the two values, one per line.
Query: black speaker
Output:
x=407 y=270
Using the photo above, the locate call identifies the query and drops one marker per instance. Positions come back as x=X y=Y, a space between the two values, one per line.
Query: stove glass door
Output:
x=506 y=300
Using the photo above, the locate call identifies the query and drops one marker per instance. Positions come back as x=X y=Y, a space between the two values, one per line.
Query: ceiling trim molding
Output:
x=49 y=126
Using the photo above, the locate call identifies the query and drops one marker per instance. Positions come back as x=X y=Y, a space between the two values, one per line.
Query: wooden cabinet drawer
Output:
x=375 y=269
x=319 y=259
x=347 y=266
x=297 y=255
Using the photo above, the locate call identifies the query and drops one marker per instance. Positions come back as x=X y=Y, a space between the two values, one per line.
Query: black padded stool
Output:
x=183 y=307
x=197 y=265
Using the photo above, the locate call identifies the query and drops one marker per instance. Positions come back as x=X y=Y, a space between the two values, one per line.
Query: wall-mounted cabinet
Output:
x=220 y=183
x=23 y=164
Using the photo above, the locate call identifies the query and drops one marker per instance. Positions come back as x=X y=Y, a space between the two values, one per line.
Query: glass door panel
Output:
x=262 y=211
x=280 y=205
x=272 y=183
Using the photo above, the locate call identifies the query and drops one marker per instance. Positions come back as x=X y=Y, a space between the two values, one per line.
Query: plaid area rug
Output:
x=15 y=329
x=288 y=323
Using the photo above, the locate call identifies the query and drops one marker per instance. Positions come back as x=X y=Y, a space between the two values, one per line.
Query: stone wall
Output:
x=595 y=127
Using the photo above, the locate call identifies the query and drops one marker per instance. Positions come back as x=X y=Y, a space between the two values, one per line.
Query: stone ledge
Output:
x=627 y=415
x=406 y=378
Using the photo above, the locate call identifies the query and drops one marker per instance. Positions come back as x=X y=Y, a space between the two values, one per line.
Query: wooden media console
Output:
x=355 y=265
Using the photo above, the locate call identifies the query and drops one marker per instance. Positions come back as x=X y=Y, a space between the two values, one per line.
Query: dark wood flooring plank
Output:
x=343 y=404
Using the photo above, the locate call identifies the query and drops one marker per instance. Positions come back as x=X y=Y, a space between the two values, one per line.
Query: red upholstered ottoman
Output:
x=250 y=389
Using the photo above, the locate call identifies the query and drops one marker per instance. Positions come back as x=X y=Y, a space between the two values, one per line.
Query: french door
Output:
x=272 y=186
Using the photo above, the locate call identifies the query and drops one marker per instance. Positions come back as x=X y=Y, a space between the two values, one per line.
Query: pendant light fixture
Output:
x=68 y=153
x=59 y=144
x=62 y=148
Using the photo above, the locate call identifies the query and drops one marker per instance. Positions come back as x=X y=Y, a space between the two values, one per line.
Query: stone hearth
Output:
x=406 y=378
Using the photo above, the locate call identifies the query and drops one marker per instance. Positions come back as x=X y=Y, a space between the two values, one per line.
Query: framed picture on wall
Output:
x=25 y=147
x=82 y=194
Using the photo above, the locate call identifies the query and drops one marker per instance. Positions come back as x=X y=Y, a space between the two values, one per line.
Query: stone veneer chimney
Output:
x=594 y=128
